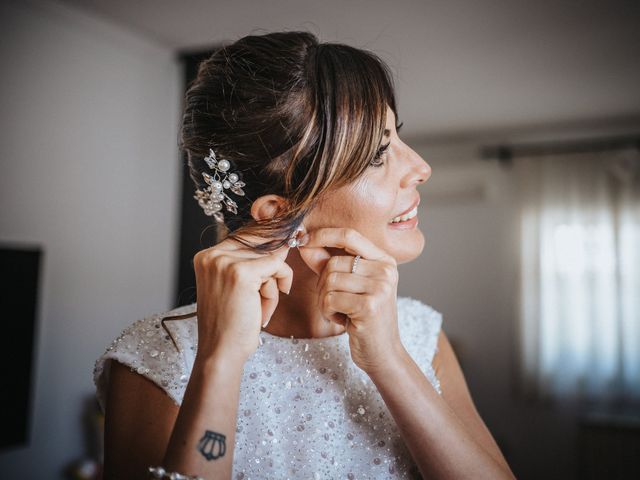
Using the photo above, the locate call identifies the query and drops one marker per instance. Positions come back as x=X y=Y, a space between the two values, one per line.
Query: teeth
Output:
x=406 y=216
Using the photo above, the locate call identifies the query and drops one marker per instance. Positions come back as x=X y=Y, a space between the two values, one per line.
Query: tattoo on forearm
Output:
x=212 y=445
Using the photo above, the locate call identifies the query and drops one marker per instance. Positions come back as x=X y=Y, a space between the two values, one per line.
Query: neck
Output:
x=298 y=314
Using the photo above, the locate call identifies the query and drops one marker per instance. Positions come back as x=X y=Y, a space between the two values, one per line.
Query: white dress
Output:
x=306 y=410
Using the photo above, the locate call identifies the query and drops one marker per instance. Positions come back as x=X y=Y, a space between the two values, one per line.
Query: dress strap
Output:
x=172 y=318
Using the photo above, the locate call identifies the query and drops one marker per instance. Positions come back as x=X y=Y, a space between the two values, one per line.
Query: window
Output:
x=579 y=310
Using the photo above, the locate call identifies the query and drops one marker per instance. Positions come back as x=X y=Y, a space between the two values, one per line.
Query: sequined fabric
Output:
x=306 y=410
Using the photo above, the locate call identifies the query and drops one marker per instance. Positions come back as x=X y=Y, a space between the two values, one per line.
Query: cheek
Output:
x=371 y=203
x=363 y=205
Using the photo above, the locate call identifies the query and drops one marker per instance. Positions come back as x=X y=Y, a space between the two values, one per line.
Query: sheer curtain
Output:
x=579 y=310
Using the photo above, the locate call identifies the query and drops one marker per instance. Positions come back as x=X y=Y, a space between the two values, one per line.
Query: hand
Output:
x=365 y=301
x=237 y=292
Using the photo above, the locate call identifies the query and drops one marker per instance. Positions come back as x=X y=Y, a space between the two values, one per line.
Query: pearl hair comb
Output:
x=213 y=196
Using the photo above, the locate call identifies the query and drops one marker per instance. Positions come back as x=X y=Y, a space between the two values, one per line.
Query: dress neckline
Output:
x=191 y=308
x=304 y=339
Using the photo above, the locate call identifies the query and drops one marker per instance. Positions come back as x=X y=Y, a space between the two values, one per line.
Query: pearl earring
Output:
x=294 y=241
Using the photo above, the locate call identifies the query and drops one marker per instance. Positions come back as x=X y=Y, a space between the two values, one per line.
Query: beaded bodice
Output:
x=306 y=410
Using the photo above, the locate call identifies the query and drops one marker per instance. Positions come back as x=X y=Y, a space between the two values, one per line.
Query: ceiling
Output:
x=461 y=66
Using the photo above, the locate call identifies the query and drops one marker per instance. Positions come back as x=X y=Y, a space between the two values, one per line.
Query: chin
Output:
x=408 y=249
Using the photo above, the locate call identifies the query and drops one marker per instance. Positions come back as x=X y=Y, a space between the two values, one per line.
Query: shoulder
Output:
x=155 y=347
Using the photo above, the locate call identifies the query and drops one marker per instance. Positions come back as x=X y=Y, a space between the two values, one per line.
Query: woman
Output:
x=301 y=361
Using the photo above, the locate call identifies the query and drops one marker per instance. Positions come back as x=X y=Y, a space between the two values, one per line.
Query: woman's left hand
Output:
x=364 y=301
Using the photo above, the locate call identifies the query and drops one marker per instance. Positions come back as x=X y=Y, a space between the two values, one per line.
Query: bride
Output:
x=298 y=359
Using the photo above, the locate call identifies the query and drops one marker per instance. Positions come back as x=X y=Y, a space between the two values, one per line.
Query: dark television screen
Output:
x=20 y=271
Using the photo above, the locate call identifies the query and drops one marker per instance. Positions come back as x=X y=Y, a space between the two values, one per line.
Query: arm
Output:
x=445 y=435
x=199 y=438
x=144 y=427
x=203 y=439
x=139 y=418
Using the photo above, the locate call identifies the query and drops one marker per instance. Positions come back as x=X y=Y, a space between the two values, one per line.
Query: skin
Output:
x=444 y=433
x=367 y=206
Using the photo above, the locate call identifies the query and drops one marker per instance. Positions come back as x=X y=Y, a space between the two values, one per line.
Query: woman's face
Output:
x=383 y=192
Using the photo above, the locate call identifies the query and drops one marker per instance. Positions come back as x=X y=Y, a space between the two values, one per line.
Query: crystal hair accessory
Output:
x=213 y=195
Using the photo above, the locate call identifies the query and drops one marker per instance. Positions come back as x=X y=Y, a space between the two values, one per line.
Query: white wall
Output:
x=469 y=271
x=91 y=173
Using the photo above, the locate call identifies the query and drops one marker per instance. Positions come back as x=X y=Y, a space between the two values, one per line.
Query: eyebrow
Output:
x=387 y=132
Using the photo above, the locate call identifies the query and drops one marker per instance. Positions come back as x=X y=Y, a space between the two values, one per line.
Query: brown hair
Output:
x=297 y=118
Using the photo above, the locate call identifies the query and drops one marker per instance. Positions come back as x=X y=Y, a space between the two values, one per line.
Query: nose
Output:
x=418 y=170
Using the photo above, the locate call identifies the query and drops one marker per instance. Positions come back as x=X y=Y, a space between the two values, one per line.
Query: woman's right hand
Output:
x=237 y=292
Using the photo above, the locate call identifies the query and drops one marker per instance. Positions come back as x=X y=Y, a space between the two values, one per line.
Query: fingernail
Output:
x=303 y=240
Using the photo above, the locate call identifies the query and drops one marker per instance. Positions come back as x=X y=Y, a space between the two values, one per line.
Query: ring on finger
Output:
x=355 y=263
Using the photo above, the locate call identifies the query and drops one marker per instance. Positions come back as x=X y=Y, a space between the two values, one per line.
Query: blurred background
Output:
x=528 y=113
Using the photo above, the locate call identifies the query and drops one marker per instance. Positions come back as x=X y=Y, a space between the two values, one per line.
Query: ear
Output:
x=267 y=206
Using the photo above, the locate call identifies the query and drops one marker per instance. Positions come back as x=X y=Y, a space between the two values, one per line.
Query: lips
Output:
x=413 y=205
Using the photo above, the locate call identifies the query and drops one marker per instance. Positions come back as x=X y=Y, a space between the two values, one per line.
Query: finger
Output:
x=337 y=306
x=282 y=252
x=349 y=239
x=284 y=280
x=344 y=263
x=269 y=289
x=315 y=258
x=234 y=244
x=340 y=282
x=269 y=299
x=267 y=266
x=346 y=282
x=284 y=275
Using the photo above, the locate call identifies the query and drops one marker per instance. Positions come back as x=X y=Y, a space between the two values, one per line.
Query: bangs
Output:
x=351 y=89
x=356 y=87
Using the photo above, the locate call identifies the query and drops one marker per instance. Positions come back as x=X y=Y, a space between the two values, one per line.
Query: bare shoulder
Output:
x=139 y=419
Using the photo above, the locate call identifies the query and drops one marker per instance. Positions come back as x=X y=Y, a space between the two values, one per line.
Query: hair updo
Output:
x=297 y=118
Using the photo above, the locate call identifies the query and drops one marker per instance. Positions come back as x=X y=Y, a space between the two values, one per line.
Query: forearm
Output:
x=438 y=441
x=203 y=437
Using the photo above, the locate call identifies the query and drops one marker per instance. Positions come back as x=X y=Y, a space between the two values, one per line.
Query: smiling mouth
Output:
x=407 y=215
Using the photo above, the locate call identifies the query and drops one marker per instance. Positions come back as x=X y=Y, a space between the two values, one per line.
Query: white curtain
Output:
x=579 y=309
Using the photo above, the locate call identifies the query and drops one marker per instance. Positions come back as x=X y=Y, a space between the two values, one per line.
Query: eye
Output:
x=375 y=162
